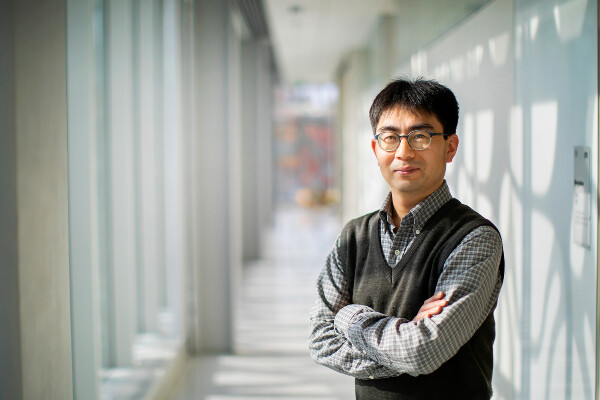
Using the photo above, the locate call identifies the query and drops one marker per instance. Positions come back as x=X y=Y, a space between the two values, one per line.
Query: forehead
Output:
x=404 y=117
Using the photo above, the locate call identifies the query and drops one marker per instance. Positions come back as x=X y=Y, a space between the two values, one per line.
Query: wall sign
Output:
x=582 y=197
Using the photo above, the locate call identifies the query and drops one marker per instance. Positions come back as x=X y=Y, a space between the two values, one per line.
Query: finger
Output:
x=434 y=311
x=427 y=314
x=434 y=304
x=435 y=297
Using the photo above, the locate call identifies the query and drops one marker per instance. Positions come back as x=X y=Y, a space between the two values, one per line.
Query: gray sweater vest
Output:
x=401 y=291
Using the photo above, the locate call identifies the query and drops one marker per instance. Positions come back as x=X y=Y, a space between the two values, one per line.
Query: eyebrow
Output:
x=392 y=128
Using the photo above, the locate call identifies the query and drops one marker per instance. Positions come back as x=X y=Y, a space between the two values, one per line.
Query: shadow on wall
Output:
x=523 y=110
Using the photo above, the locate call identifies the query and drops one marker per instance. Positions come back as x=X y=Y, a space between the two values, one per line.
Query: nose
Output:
x=404 y=151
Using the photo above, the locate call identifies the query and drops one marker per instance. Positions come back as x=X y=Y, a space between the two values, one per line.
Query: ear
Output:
x=451 y=147
x=374 y=146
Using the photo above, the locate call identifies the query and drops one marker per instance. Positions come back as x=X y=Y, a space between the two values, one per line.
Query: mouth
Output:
x=406 y=170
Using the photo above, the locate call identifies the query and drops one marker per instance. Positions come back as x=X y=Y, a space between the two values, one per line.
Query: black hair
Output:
x=420 y=95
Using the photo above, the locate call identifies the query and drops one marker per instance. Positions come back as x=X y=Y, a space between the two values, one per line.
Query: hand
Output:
x=432 y=306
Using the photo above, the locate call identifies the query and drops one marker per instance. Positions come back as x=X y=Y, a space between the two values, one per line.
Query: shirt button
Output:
x=397 y=252
x=417 y=231
x=371 y=377
x=364 y=352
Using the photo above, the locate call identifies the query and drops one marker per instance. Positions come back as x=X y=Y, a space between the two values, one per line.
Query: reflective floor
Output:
x=272 y=359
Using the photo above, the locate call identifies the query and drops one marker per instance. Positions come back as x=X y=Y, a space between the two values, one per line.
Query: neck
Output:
x=403 y=202
x=401 y=207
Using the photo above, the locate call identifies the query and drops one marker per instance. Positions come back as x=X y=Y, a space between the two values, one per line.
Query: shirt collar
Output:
x=421 y=212
x=385 y=213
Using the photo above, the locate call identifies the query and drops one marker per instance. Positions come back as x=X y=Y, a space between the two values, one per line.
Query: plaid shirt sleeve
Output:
x=471 y=281
x=328 y=346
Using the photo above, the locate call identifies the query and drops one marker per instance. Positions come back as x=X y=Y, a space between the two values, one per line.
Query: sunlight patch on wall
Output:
x=499 y=47
x=517 y=241
x=551 y=366
x=543 y=149
x=467 y=142
x=548 y=333
x=485 y=206
x=534 y=24
x=516 y=144
x=589 y=342
x=511 y=223
x=465 y=187
x=568 y=18
x=474 y=59
x=508 y=355
x=593 y=111
x=457 y=68
x=442 y=72
x=583 y=363
x=546 y=291
x=485 y=144
x=518 y=42
x=577 y=257
x=418 y=64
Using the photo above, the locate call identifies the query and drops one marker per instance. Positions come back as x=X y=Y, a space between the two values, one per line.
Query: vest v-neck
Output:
x=395 y=272
x=401 y=291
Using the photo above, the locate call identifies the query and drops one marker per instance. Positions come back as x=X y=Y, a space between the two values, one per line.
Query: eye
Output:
x=417 y=135
x=388 y=137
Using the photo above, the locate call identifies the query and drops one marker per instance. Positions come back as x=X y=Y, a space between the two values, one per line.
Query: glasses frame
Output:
x=431 y=135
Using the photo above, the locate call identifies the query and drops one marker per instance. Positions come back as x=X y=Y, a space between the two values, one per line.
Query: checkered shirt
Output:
x=394 y=245
x=356 y=340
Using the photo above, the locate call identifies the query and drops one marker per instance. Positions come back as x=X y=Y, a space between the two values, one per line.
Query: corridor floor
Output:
x=272 y=360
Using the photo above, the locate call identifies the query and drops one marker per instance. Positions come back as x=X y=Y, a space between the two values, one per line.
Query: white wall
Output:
x=476 y=61
x=555 y=96
x=525 y=75
x=515 y=165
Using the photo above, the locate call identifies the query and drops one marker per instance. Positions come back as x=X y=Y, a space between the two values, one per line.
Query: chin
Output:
x=406 y=188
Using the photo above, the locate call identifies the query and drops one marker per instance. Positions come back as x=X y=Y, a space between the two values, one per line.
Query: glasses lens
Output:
x=419 y=140
x=388 y=141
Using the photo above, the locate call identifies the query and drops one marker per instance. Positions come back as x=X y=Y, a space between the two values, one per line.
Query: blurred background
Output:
x=173 y=174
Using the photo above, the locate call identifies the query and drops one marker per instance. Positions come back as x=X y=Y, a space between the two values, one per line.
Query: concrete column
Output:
x=190 y=189
x=236 y=150
x=210 y=175
x=121 y=159
x=151 y=265
x=174 y=152
x=257 y=146
x=264 y=136
x=35 y=337
x=249 y=154
x=352 y=86
x=11 y=385
x=83 y=199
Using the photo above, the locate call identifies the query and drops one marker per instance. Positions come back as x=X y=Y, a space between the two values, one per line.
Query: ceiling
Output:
x=310 y=37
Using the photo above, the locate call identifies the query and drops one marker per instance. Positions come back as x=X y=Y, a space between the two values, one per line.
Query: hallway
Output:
x=144 y=146
x=277 y=292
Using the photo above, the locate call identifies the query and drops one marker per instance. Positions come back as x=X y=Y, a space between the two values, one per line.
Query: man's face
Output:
x=413 y=174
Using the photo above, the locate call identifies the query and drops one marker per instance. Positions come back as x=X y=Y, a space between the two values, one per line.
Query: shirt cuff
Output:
x=343 y=319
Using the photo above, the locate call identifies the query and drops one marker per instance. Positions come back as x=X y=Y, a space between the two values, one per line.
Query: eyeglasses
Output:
x=417 y=140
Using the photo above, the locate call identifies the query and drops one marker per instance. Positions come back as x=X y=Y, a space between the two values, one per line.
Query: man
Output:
x=406 y=298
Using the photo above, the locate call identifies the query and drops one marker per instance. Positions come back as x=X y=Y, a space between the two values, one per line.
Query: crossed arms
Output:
x=354 y=339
